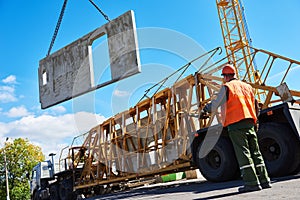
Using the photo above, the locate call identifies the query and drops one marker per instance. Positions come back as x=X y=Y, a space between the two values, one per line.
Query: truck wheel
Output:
x=295 y=145
x=36 y=195
x=220 y=163
x=65 y=190
x=295 y=168
x=54 y=192
x=279 y=148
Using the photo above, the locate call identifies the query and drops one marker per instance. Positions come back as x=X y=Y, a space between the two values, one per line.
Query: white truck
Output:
x=42 y=174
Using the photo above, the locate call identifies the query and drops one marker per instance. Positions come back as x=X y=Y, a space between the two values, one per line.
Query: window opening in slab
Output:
x=101 y=60
x=45 y=78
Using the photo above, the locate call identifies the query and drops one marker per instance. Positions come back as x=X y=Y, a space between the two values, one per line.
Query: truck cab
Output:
x=40 y=176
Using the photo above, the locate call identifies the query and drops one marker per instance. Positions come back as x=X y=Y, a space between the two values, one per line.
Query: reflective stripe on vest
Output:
x=240 y=103
x=260 y=165
x=246 y=166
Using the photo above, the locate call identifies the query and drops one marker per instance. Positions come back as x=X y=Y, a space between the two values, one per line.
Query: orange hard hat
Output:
x=228 y=69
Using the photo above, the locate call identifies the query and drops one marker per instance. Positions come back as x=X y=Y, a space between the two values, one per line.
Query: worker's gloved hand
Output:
x=203 y=114
x=207 y=108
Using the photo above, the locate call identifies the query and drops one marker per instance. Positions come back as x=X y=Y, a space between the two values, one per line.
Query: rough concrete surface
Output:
x=69 y=72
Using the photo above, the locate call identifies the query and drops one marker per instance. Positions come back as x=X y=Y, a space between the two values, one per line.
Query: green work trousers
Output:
x=244 y=140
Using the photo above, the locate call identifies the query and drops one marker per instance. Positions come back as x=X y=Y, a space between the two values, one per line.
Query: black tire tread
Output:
x=228 y=169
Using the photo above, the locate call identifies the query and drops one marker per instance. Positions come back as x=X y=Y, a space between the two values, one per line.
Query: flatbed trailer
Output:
x=164 y=134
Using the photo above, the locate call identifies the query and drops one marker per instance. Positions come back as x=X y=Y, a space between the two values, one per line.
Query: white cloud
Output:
x=48 y=131
x=20 y=111
x=58 y=109
x=11 y=79
x=120 y=93
x=6 y=97
x=7 y=94
x=8 y=89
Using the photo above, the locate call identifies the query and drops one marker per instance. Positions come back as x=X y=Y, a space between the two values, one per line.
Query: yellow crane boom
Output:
x=237 y=42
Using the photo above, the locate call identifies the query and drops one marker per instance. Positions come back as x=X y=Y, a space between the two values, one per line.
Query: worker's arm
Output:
x=220 y=100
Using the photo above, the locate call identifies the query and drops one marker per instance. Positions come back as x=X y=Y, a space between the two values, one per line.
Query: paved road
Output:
x=283 y=188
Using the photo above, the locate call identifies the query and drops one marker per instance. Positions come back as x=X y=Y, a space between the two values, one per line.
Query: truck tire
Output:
x=295 y=145
x=54 y=192
x=65 y=190
x=36 y=195
x=220 y=163
x=279 y=148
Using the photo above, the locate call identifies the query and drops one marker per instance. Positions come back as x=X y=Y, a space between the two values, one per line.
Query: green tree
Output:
x=21 y=156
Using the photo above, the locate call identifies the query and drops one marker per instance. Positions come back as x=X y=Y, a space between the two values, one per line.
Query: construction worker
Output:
x=239 y=115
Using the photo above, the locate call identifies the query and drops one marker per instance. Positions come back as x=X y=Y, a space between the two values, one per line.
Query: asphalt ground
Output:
x=282 y=188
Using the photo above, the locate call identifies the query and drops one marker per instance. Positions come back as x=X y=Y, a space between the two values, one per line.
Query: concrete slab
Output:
x=69 y=72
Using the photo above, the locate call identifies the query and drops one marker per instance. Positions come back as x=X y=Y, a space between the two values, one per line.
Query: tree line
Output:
x=21 y=157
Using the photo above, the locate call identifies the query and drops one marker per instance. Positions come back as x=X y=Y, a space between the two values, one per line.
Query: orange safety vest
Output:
x=240 y=103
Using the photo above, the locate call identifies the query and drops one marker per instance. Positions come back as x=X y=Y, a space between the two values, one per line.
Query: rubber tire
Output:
x=220 y=164
x=54 y=192
x=36 y=195
x=295 y=143
x=65 y=190
x=278 y=147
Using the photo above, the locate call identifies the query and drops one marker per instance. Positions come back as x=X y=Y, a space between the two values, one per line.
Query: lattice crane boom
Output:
x=237 y=41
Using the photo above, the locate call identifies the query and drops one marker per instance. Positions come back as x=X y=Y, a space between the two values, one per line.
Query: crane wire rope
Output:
x=182 y=69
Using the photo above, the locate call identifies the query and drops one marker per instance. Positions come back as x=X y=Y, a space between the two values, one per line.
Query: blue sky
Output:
x=27 y=28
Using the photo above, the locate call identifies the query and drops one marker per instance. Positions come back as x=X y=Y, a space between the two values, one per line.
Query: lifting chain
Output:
x=60 y=20
x=103 y=14
x=57 y=26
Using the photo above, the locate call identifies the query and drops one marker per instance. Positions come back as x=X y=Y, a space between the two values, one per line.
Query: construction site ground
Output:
x=282 y=188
